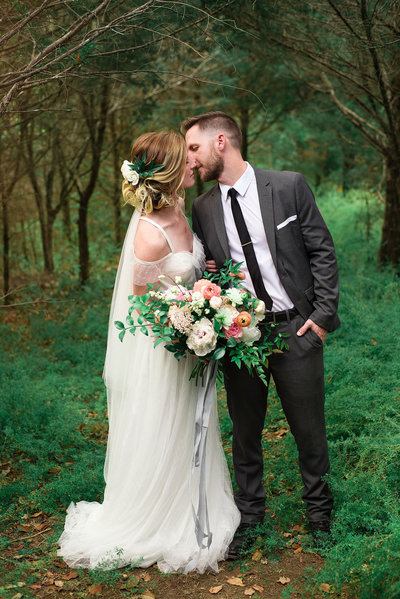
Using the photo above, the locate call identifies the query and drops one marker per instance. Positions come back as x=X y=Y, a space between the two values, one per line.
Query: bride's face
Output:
x=188 y=180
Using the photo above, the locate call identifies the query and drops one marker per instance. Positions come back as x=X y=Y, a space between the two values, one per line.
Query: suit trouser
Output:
x=299 y=379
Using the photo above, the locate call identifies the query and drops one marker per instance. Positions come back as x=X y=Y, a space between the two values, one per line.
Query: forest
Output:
x=315 y=88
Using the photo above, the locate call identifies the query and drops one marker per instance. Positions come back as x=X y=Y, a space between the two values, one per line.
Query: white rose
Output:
x=202 y=339
x=234 y=296
x=260 y=308
x=215 y=302
x=250 y=335
x=226 y=315
x=128 y=173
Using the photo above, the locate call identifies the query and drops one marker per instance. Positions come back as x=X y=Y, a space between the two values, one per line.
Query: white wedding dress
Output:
x=147 y=512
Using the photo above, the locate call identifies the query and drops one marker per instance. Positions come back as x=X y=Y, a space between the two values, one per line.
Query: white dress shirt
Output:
x=247 y=196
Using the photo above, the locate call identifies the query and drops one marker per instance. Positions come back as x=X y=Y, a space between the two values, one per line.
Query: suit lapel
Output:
x=267 y=210
x=218 y=218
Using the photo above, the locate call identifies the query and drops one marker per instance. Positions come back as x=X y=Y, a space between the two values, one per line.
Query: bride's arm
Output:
x=149 y=247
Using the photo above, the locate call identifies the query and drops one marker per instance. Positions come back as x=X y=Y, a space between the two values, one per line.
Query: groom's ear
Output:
x=221 y=141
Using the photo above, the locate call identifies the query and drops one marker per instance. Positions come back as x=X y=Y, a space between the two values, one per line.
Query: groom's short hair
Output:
x=217 y=121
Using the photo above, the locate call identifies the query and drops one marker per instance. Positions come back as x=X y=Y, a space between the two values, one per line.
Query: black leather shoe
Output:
x=243 y=539
x=321 y=534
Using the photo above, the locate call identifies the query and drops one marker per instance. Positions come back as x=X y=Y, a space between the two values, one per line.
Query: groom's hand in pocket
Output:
x=310 y=324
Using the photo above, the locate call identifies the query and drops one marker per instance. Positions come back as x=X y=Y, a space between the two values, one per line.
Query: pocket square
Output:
x=286 y=222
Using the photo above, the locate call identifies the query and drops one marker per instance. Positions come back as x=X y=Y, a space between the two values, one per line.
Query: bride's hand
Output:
x=211 y=266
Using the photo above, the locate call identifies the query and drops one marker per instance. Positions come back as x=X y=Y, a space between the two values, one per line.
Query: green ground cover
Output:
x=53 y=415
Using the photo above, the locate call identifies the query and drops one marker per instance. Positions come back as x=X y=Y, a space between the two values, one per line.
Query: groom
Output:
x=269 y=221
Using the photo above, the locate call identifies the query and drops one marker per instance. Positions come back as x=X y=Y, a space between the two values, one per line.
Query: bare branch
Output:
x=357 y=120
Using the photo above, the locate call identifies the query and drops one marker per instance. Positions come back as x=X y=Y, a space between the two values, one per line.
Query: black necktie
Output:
x=248 y=250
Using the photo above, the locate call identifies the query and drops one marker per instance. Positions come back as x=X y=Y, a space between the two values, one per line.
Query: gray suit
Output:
x=303 y=253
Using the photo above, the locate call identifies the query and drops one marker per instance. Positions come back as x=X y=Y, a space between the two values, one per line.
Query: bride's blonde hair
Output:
x=164 y=187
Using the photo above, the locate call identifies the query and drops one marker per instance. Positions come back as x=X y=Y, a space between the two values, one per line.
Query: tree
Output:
x=350 y=50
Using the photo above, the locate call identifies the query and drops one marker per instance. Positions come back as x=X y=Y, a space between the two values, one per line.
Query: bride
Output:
x=147 y=514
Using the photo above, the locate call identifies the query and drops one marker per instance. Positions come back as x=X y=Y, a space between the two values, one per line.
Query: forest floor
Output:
x=287 y=574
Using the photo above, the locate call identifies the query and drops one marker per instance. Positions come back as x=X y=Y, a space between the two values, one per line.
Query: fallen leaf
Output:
x=298 y=528
x=215 y=590
x=36 y=514
x=147 y=595
x=298 y=550
x=283 y=579
x=256 y=556
x=373 y=341
x=70 y=575
x=326 y=588
x=17 y=596
x=143 y=576
x=249 y=592
x=35 y=586
x=258 y=588
x=287 y=534
x=95 y=589
x=264 y=561
x=58 y=583
x=235 y=581
x=39 y=526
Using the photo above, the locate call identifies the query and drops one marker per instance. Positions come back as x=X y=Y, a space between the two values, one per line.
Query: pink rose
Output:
x=211 y=290
x=234 y=330
x=198 y=286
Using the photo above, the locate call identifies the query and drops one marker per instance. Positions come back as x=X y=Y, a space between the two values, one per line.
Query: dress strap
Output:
x=162 y=231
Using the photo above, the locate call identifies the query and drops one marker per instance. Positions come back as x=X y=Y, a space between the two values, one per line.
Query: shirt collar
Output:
x=241 y=184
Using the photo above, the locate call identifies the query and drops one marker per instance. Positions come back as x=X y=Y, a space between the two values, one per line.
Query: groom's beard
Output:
x=212 y=169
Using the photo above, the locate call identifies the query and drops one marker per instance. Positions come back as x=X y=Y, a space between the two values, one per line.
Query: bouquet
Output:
x=217 y=317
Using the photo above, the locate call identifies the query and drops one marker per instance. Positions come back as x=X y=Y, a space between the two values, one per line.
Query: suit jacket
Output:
x=300 y=243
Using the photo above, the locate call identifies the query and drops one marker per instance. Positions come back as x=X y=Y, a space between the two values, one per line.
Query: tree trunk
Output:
x=244 y=125
x=389 y=251
x=83 y=242
x=96 y=132
x=6 y=252
x=116 y=199
x=47 y=239
x=66 y=219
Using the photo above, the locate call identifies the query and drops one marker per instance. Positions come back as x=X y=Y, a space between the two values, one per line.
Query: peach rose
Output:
x=243 y=319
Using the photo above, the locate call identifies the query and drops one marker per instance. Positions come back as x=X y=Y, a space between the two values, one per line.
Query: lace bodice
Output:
x=182 y=263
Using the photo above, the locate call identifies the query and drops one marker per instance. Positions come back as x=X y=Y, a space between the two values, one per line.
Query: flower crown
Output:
x=133 y=172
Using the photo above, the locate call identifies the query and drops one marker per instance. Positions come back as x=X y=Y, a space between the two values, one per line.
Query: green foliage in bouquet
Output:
x=218 y=317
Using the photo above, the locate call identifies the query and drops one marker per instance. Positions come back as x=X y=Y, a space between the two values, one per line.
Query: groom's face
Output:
x=203 y=154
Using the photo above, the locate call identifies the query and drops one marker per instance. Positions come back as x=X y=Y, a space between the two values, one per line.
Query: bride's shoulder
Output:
x=149 y=244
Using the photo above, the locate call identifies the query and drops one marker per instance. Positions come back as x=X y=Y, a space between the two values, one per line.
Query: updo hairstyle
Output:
x=163 y=188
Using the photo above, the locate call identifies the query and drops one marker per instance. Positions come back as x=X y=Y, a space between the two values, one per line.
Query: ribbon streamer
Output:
x=205 y=401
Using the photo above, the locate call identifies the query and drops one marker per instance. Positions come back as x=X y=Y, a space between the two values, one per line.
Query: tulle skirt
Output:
x=147 y=513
